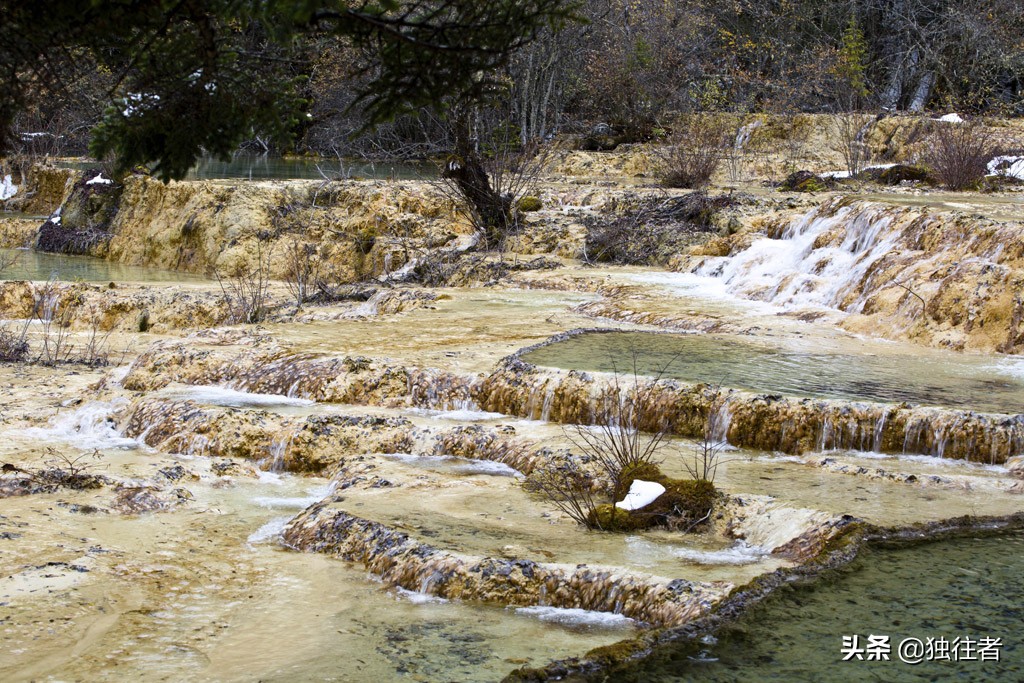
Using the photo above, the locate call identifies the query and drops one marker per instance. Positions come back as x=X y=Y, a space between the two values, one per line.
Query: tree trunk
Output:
x=492 y=212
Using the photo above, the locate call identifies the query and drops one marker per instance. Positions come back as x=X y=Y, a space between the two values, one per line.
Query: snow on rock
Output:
x=7 y=188
x=1009 y=166
x=99 y=180
x=951 y=118
x=641 y=494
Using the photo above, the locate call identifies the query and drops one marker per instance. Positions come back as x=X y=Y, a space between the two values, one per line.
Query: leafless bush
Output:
x=71 y=471
x=13 y=346
x=246 y=287
x=696 y=152
x=650 y=230
x=486 y=188
x=54 y=315
x=958 y=154
x=571 y=489
x=302 y=263
x=613 y=446
x=96 y=350
x=706 y=456
x=851 y=130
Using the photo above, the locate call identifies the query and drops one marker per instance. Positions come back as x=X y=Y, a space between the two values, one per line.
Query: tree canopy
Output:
x=184 y=76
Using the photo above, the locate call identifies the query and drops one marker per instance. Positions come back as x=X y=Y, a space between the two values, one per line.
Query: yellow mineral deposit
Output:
x=347 y=488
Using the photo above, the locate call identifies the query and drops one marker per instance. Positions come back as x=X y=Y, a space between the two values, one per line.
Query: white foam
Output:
x=275 y=478
x=88 y=427
x=231 y=398
x=454 y=464
x=314 y=495
x=460 y=415
x=794 y=272
x=271 y=531
x=418 y=598
x=1010 y=367
x=573 y=616
x=645 y=553
x=741 y=553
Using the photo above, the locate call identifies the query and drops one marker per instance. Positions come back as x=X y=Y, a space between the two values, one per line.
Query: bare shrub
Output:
x=958 y=154
x=706 y=456
x=96 y=349
x=54 y=315
x=13 y=346
x=851 y=130
x=570 y=488
x=246 y=286
x=696 y=152
x=302 y=274
x=612 y=446
x=650 y=230
x=486 y=188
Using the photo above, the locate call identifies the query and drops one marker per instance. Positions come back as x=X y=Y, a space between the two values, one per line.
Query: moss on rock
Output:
x=684 y=502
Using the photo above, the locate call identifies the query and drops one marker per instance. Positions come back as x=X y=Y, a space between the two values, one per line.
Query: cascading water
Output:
x=816 y=262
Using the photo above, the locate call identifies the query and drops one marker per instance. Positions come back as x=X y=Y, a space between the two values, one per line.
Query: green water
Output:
x=857 y=370
x=35 y=265
x=963 y=588
x=267 y=167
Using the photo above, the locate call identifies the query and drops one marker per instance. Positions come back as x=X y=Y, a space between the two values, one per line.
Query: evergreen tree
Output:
x=194 y=75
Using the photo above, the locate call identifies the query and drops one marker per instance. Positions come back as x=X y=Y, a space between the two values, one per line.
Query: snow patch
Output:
x=99 y=180
x=951 y=118
x=7 y=188
x=1008 y=166
x=641 y=494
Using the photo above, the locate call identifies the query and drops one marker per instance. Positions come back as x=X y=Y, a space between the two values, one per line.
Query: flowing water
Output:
x=207 y=593
x=968 y=588
x=37 y=265
x=819 y=369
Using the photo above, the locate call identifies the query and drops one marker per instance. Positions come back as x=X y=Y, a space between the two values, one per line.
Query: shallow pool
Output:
x=840 y=369
x=968 y=588
x=36 y=265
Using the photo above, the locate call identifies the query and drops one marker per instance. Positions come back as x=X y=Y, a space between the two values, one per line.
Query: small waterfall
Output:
x=404 y=562
x=718 y=423
x=817 y=260
x=90 y=426
x=278 y=451
x=876 y=444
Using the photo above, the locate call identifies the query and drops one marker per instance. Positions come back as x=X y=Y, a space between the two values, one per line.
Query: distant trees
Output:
x=167 y=78
x=191 y=75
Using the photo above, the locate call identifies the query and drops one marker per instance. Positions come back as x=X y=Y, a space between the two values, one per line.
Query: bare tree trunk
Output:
x=494 y=211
